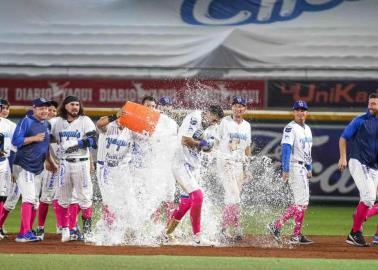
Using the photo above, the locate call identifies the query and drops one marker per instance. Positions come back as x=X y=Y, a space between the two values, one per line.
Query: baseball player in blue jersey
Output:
x=296 y=146
x=362 y=133
x=32 y=138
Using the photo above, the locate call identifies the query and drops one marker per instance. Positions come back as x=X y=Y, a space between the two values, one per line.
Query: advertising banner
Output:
x=114 y=93
x=321 y=94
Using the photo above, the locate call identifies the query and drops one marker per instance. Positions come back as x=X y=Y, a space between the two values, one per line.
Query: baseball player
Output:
x=165 y=133
x=6 y=133
x=74 y=133
x=362 y=133
x=234 y=147
x=49 y=180
x=113 y=156
x=296 y=146
x=193 y=138
x=31 y=137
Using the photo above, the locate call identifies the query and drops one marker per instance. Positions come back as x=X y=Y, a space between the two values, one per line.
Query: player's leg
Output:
x=10 y=203
x=3 y=183
x=38 y=188
x=367 y=189
x=49 y=181
x=83 y=186
x=25 y=181
x=64 y=195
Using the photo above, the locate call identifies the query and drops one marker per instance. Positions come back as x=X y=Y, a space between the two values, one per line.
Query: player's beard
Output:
x=373 y=112
x=73 y=114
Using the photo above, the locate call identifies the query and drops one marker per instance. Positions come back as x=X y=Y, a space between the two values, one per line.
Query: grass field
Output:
x=320 y=220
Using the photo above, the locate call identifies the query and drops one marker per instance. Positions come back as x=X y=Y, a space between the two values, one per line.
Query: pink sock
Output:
x=32 y=218
x=156 y=215
x=73 y=211
x=195 y=210
x=42 y=213
x=288 y=214
x=26 y=214
x=3 y=217
x=299 y=217
x=1 y=207
x=359 y=217
x=231 y=216
x=64 y=216
x=372 y=211
x=57 y=213
x=184 y=206
x=86 y=213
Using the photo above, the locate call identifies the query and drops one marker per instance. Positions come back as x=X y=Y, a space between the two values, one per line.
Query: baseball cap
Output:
x=166 y=101
x=239 y=100
x=39 y=102
x=300 y=104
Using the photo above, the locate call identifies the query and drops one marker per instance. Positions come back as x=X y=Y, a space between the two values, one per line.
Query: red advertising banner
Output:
x=114 y=93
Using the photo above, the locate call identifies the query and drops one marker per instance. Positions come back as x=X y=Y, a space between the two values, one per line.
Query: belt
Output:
x=73 y=160
x=109 y=164
x=298 y=162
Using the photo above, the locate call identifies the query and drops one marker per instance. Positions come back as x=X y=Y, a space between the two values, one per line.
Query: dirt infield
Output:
x=331 y=247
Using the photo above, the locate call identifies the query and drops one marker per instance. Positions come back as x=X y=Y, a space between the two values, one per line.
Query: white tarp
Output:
x=185 y=38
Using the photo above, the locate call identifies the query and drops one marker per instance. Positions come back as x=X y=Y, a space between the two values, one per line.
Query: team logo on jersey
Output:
x=193 y=121
x=69 y=134
x=288 y=129
x=216 y=12
x=118 y=143
x=238 y=136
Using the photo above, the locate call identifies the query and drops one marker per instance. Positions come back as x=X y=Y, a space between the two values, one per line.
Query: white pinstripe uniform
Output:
x=300 y=139
x=234 y=139
x=73 y=175
x=113 y=155
x=7 y=128
x=187 y=160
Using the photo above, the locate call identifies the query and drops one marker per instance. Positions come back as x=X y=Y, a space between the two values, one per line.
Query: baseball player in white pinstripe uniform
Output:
x=296 y=169
x=185 y=167
x=74 y=133
x=234 y=147
x=7 y=128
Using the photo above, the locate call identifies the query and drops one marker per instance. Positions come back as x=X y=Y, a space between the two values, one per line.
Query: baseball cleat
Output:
x=65 y=235
x=274 y=232
x=196 y=239
x=300 y=240
x=27 y=237
x=238 y=234
x=375 y=239
x=76 y=236
x=356 y=239
x=40 y=233
x=2 y=234
x=87 y=225
x=58 y=230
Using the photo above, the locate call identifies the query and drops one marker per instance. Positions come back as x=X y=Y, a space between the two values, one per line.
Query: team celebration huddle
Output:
x=149 y=179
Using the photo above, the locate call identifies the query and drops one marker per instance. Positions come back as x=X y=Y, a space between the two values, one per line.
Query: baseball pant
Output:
x=185 y=175
x=232 y=179
x=366 y=180
x=298 y=183
x=5 y=178
x=29 y=185
x=75 y=176
x=49 y=185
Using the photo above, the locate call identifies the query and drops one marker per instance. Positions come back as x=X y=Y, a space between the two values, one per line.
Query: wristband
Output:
x=112 y=118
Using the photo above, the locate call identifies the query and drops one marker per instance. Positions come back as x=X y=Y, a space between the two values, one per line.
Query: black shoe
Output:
x=40 y=233
x=300 y=240
x=356 y=239
x=2 y=234
x=276 y=233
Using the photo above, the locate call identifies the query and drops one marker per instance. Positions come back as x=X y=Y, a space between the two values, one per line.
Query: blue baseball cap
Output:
x=300 y=104
x=40 y=102
x=166 y=101
x=239 y=100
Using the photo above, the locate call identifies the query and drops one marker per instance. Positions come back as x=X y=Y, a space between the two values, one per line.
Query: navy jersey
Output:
x=31 y=157
x=362 y=132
